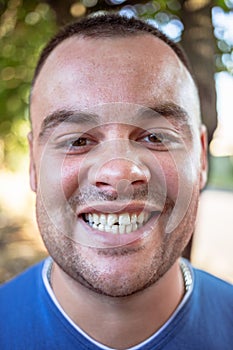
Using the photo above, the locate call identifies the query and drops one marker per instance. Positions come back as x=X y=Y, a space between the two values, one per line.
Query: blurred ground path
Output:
x=20 y=242
x=213 y=239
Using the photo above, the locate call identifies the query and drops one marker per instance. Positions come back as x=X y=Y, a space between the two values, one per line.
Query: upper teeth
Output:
x=114 y=223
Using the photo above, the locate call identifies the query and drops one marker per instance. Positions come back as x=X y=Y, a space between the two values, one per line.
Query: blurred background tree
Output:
x=24 y=27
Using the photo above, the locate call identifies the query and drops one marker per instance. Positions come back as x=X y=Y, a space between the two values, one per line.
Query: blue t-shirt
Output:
x=31 y=320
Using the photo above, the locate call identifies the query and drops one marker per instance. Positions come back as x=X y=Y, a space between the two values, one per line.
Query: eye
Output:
x=155 y=138
x=73 y=144
x=160 y=140
x=80 y=142
x=79 y=145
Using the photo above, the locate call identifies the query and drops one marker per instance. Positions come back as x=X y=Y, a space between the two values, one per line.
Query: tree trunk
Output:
x=200 y=45
x=62 y=10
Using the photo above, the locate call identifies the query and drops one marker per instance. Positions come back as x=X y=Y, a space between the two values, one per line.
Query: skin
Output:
x=123 y=283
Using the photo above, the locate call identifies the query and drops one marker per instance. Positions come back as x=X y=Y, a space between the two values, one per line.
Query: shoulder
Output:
x=213 y=296
x=212 y=284
x=21 y=305
x=207 y=317
x=22 y=284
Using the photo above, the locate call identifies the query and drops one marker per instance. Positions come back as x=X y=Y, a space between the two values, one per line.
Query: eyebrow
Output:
x=172 y=111
x=174 y=114
x=169 y=109
x=66 y=116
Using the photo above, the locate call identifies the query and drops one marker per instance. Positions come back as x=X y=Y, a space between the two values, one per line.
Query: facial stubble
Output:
x=70 y=256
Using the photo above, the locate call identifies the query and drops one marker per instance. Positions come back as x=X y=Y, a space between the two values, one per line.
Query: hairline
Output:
x=125 y=32
x=87 y=28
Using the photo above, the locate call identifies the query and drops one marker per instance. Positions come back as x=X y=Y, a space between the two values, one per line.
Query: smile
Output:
x=117 y=223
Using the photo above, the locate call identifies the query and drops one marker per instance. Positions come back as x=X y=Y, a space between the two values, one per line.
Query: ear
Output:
x=204 y=157
x=32 y=169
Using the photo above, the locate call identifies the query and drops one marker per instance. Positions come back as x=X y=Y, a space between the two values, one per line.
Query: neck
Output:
x=125 y=321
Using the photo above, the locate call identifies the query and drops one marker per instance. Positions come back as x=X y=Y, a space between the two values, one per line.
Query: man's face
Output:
x=117 y=160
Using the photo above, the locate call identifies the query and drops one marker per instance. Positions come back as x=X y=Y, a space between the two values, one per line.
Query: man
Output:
x=118 y=159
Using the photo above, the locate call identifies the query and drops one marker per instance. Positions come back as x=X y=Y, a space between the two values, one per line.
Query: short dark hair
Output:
x=103 y=26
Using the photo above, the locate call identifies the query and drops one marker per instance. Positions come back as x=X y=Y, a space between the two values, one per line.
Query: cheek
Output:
x=172 y=181
x=178 y=173
x=58 y=177
x=181 y=181
x=70 y=177
x=168 y=174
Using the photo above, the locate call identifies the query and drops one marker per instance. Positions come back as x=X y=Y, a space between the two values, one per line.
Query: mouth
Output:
x=122 y=223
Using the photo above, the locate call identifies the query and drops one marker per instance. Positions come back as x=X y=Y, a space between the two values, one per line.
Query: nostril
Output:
x=138 y=183
x=108 y=189
x=101 y=184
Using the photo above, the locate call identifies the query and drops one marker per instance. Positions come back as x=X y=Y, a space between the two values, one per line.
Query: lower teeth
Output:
x=123 y=224
x=116 y=229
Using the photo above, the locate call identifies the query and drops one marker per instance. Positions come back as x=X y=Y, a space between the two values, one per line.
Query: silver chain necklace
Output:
x=187 y=276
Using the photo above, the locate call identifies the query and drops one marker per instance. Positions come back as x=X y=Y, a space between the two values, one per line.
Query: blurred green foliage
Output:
x=221 y=174
x=24 y=28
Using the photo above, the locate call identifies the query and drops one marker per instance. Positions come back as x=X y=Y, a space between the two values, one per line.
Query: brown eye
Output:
x=79 y=142
x=155 y=138
x=161 y=140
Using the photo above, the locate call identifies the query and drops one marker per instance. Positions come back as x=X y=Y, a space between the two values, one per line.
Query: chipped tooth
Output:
x=140 y=218
x=134 y=218
x=112 y=219
x=128 y=228
x=124 y=219
x=102 y=219
x=122 y=223
x=96 y=218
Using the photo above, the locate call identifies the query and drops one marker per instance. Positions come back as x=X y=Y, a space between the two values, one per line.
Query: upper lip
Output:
x=117 y=208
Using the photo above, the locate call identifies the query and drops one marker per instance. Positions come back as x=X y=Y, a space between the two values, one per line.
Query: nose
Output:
x=119 y=172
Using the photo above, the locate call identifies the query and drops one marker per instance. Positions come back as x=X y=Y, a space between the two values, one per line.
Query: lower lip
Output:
x=99 y=239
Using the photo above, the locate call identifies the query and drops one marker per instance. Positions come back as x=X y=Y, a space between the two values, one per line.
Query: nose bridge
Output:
x=120 y=161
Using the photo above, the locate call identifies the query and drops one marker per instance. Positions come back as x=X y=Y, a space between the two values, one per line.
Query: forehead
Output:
x=83 y=72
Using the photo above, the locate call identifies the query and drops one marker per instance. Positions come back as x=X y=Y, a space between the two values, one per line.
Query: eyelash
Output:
x=80 y=139
x=163 y=141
